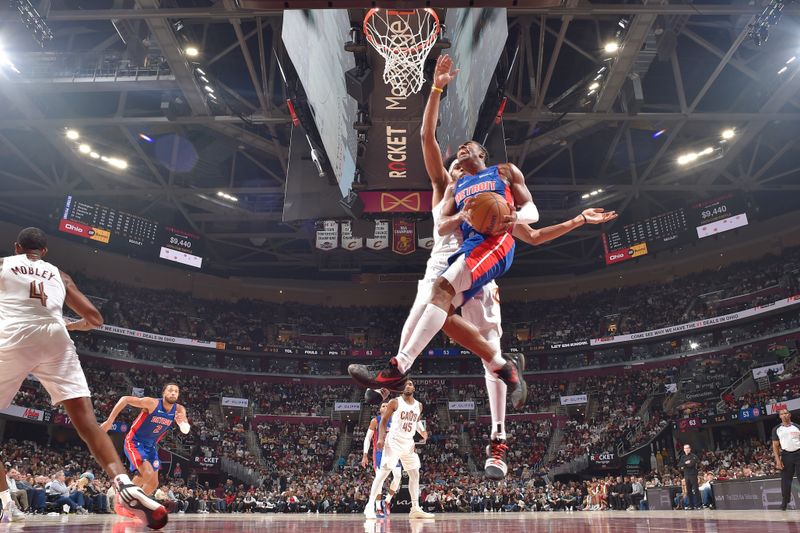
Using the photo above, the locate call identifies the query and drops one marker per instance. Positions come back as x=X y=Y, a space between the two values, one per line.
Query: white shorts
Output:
x=483 y=312
x=47 y=352
x=406 y=454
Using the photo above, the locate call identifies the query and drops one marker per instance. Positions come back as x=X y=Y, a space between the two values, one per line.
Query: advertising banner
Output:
x=762 y=371
x=461 y=406
x=574 y=399
x=347 y=406
x=234 y=402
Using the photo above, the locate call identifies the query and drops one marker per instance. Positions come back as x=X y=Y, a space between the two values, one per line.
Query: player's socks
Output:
x=430 y=323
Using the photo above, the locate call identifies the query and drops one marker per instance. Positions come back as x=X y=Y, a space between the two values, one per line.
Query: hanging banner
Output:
x=234 y=402
x=348 y=241
x=327 y=235
x=575 y=399
x=426 y=243
x=403 y=237
x=381 y=239
x=763 y=371
x=346 y=406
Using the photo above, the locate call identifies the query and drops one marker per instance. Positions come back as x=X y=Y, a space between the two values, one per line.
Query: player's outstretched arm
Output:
x=526 y=212
x=373 y=425
x=431 y=153
x=535 y=237
x=182 y=420
x=148 y=404
x=391 y=407
x=78 y=302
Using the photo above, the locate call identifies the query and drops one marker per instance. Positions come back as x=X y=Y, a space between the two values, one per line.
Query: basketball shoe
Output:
x=378 y=376
x=495 y=467
x=375 y=396
x=511 y=375
x=140 y=505
x=417 y=512
x=12 y=514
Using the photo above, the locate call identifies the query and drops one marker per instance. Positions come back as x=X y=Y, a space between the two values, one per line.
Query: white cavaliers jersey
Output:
x=404 y=423
x=31 y=292
x=443 y=247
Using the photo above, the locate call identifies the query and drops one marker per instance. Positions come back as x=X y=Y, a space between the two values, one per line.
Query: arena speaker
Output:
x=359 y=82
x=352 y=204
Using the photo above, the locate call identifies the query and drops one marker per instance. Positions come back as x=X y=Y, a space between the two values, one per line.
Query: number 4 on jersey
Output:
x=38 y=292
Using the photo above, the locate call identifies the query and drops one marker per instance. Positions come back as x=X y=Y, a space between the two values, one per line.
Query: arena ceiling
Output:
x=699 y=74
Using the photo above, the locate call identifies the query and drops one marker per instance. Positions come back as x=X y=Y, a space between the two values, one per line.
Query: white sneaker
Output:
x=369 y=511
x=12 y=514
x=417 y=512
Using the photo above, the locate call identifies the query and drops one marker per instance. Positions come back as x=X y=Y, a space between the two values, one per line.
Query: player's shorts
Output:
x=483 y=311
x=47 y=352
x=479 y=261
x=139 y=452
x=377 y=460
x=404 y=453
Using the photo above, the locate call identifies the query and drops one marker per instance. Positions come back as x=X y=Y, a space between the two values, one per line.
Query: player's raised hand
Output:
x=180 y=418
x=598 y=215
x=444 y=72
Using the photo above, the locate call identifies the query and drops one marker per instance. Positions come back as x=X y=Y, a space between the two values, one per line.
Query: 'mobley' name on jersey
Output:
x=484 y=186
x=23 y=270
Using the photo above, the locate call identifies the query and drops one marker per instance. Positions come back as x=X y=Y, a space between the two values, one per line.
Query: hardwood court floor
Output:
x=561 y=522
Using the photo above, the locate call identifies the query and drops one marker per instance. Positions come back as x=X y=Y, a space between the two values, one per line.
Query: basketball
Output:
x=487 y=211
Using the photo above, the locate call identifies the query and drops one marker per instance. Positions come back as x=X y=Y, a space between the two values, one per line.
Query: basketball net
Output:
x=404 y=39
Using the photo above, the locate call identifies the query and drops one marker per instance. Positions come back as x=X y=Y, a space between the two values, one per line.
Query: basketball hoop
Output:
x=404 y=38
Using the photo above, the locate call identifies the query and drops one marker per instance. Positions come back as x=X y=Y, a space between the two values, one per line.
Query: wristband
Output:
x=437 y=89
x=584 y=219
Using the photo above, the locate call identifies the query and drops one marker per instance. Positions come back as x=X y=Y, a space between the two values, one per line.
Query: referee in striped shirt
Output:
x=786 y=448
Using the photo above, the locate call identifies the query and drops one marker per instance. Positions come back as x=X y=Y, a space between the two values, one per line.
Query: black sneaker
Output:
x=376 y=396
x=378 y=376
x=511 y=374
x=495 y=467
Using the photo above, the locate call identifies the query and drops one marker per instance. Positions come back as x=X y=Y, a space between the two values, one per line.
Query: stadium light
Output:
x=192 y=51
x=94 y=155
x=145 y=137
x=594 y=86
x=611 y=47
x=693 y=345
x=209 y=89
x=73 y=135
x=685 y=159
x=84 y=148
x=728 y=134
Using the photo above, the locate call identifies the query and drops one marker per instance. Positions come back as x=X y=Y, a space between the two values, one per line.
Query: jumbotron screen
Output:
x=131 y=234
x=673 y=228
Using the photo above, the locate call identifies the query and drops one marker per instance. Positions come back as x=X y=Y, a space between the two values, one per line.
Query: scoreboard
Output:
x=128 y=233
x=674 y=228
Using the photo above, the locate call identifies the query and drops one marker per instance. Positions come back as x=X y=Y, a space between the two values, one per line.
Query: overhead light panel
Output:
x=192 y=51
x=73 y=135
x=611 y=47
x=84 y=148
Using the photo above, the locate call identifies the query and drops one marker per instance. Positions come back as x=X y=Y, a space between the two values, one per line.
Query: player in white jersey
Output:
x=479 y=326
x=405 y=414
x=34 y=339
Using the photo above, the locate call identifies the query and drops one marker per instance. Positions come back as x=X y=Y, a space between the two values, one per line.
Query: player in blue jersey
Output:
x=156 y=417
x=480 y=258
x=382 y=506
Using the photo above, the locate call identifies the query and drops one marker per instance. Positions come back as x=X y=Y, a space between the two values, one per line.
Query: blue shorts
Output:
x=487 y=257
x=138 y=452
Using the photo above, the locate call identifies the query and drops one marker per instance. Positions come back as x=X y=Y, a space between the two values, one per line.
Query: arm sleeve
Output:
x=528 y=214
x=775 y=434
x=368 y=440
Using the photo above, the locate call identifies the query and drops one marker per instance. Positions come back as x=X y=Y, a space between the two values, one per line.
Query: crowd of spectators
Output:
x=613 y=311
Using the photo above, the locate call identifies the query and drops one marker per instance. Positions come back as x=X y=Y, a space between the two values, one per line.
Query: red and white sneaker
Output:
x=121 y=510
x=495 y=467
x=146 y=509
